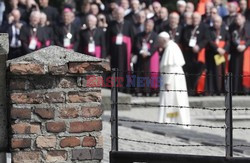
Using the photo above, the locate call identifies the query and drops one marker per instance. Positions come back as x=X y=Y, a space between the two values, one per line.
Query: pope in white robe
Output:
x=172 y=62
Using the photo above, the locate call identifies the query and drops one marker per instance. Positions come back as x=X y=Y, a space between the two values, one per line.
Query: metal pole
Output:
x=229 y=116
x=114 y=111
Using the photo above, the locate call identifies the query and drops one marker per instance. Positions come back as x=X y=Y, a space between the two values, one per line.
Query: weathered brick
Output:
x=20 y=143
x=88 y=112
x=25 y=128
x=17 y=113
x=100 y=141
x=69 y=113
x=46 y=141
x=56 y=156
x=45 y=113
x=89 y=141
x=55 y=97
x=70 y=142
x=58 y=69
x=87 y=154
x=88 y=126
x=26 y=98
x=56 y=127
x=26 y=157
x=19 y=84
x=27 y=68
x=78 y=67
x=67 y=82
x=81 y=97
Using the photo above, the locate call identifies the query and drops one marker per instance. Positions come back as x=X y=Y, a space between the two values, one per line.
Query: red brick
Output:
x=58 y=69
x=46 y=141
x=17 y=113
x=88 y=141
x=70 y=142
x=25 y=128
x=67 y=82
x=56 y=156
x=78 y=67
x=27 y=68
x=26 y=157
x=26 y=98
x=20 y=143
x=55 y=97
x=44 y=113
x=81 y=97
x=88 y=112
x=19 y=84
x=69 y=113
x=56 y=127
x=88 y=126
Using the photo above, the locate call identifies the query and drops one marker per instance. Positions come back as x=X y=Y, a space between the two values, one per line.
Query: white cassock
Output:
x=172 y=62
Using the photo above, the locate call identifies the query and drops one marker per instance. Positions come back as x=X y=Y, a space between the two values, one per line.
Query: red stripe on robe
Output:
x=246 y=67
x=39 y=43
x=154 y=68
x=127 y=41
x=202 y=79
x=97 y=52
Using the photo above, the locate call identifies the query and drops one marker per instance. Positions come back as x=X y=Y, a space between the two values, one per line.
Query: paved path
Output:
x=127 y=132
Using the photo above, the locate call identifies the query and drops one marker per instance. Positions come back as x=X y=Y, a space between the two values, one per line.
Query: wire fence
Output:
x=227 y=109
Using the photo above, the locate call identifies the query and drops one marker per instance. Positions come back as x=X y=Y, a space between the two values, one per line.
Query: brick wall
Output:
x=54 y=116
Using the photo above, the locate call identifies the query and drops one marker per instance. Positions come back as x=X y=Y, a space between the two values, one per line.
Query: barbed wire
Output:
x=184 y=125
x=180 y=145
x=174 y=106
x=175 y=124
x=171 y=145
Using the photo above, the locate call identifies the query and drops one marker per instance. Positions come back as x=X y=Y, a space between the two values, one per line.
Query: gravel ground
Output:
x=150 y=114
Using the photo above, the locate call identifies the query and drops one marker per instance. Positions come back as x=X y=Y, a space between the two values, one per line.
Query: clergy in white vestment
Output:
x=172 y=62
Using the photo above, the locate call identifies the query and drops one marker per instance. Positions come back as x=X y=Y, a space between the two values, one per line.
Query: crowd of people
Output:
x=214 y=40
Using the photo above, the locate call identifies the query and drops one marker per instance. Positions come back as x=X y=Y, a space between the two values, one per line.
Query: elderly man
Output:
x=194 y=42
x=120 y=34
x=51 y=12
x=244 y=10
x=162 y=22
x=145 y=47
x=92 y=39
x=181 y=8
x=140 y=21
x=135 y=7
x=172 y=62
x=173 y=28
x=217 y=56
x=232 y=9
x=190 y=7
x=240 y=54
x=157 y=9
x=66 y=33
x=13 y=29
x=32 y=36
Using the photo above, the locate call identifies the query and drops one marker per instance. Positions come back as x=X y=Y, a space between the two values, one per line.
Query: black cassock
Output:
x=195 y=62
x=32 y=38
x=160 y=25
x=131 y=17
x=67 y=36
x=119 y=43
x=175 y=34
x=92 y=42
x=216 y=72
x=239 y=37
x=52 y=14
x=149 y=66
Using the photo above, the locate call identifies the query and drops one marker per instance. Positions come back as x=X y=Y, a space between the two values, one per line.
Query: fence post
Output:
x=114 y=111
x=229 y=116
